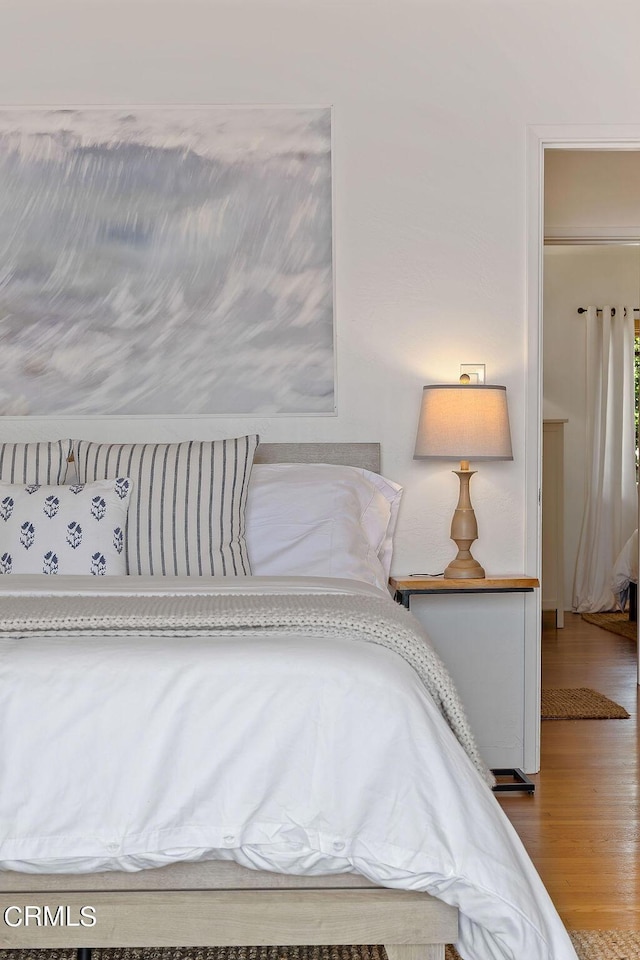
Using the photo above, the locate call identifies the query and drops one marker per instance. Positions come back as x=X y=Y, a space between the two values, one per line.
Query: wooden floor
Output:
x=582 y=826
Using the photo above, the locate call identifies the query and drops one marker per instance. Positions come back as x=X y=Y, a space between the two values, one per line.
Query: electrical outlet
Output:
x=475 y=371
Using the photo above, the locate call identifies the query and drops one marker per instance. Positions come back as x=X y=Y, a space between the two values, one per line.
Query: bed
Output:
x=624 y=578
x=314 y=680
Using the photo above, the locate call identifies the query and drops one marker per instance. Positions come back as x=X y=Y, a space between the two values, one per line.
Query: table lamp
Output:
x=463 y=421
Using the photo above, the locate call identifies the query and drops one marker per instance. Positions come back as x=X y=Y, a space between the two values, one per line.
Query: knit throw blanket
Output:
x=362 y=618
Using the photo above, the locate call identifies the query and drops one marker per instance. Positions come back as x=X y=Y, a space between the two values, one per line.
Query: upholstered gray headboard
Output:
x=365 y=455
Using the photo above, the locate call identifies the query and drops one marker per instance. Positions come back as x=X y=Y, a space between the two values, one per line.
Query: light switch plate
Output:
x=475 y=371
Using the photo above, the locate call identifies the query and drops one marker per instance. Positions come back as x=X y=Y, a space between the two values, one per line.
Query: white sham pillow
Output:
x=321 y=520
x=76 y=529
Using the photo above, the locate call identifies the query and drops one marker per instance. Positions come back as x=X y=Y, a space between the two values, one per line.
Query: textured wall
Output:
x=431 y=103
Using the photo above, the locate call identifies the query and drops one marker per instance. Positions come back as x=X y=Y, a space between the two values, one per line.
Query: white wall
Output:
x=592 y=193
x=578 y=276
x=431 y=100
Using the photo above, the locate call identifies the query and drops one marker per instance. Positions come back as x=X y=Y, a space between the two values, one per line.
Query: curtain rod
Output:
x=599 y=310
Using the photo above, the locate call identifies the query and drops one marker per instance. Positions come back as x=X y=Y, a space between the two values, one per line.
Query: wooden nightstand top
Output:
x=506 y=582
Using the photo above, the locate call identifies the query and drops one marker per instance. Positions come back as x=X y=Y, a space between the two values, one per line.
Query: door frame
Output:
x=539 y=139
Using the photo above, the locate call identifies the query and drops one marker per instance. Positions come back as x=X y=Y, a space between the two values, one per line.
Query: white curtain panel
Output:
x=610 y=515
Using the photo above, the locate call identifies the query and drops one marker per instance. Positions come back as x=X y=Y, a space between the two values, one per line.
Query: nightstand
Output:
x=484 y=656
x=405 y=587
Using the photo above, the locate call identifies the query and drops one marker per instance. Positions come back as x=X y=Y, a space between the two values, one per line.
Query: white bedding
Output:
x=298 y=754
x=625 y=569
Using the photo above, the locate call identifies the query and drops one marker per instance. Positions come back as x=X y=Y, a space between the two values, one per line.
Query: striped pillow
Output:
x=186 y=516
x=44 y=463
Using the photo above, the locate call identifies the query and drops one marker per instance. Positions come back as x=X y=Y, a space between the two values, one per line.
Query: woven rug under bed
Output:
x=579 y=703
x=589 y=945
x=614 y=623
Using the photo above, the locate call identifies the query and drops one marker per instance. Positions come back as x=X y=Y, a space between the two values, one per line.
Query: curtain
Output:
x=611 y=512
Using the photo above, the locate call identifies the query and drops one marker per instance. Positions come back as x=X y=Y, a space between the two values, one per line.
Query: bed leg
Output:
x=83 y=953
x=415 y=951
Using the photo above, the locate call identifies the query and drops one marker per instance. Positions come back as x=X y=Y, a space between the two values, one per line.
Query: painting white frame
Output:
x=295 y=371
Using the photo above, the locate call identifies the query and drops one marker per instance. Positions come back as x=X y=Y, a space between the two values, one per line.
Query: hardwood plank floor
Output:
x=582 y=826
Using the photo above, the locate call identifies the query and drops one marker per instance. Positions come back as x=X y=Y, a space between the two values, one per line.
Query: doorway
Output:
x=575 y=251
x=577 y=275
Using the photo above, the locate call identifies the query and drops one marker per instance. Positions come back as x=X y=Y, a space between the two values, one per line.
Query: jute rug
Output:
x=613 y=622
x=589 y=945
x=579 y=703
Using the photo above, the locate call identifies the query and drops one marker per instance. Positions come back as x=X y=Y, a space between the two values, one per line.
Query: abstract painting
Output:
x=166 y=260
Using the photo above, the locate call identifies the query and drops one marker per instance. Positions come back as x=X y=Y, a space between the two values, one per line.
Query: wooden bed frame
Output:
x=219 y=903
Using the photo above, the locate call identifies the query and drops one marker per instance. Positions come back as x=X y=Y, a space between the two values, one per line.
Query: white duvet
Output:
x=297 y=754
x=625 y=569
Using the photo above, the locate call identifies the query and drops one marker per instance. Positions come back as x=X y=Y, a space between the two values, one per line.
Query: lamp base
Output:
x=464 y=568
x=464 y=530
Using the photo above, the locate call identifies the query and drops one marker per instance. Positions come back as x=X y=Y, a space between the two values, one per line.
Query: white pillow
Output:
x=188 y=506
x=310 y=519
x=76 y=529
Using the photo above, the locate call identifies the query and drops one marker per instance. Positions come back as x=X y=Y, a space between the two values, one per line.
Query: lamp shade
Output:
x=463 y=421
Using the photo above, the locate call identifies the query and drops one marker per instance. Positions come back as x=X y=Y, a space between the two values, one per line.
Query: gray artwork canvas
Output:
x=169 y=260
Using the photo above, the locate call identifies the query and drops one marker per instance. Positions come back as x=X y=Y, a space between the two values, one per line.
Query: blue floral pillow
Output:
x=77 y=529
